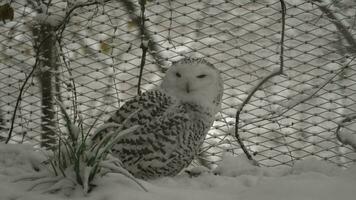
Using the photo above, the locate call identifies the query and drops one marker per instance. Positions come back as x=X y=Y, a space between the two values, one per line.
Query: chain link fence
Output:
x=95 y=59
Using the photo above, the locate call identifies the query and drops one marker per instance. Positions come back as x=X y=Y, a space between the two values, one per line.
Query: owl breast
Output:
x=168 y=138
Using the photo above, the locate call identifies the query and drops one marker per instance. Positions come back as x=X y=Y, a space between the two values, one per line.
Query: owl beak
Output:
x=187 y=88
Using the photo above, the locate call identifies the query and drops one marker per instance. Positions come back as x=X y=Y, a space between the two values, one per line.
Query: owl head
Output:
x=194 y=80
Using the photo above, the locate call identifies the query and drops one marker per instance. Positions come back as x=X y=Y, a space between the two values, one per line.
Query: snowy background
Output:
x=98 y=69
x=100 y=57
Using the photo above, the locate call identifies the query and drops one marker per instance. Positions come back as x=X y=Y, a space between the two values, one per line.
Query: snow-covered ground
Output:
x=235 y=178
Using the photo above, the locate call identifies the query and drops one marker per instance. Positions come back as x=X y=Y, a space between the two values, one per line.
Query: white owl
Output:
x=173 y=120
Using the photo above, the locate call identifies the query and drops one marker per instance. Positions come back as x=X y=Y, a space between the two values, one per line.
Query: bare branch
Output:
x=303 y=98
x=153 y=49
x=144 y=43
x=19 y=97
x=67 y=17
x=340 y=26
x=257 y=87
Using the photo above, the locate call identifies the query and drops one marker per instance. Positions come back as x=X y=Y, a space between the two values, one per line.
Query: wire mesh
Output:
x=99 y=55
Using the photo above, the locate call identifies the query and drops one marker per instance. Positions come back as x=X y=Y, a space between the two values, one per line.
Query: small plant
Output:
x=78 y=159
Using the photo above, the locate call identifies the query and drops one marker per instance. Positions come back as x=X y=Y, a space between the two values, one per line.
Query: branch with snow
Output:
x=343 y=30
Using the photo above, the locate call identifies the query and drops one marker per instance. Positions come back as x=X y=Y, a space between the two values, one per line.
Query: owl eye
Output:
x=178 y=75
x=201 y=76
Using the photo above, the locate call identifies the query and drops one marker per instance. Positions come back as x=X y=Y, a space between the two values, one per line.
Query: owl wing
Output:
x=141 y=109
x=138 y=111
x=163 y=146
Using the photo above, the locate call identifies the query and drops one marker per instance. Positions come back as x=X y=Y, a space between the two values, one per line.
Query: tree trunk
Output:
x=45 y=40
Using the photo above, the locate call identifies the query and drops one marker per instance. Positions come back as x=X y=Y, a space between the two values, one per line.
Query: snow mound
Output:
x=314 y=165
x=235 y=166
x=239 y=165
x=235 y=178
x=19 y=159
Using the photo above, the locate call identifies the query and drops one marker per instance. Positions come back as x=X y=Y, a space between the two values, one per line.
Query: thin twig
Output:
x=257 y=87
x=281 y=55
x=237 y=116
x=311 y=95
x=169 y=38
x=72 y=86
x=62 y=26
x=19 y=97
x=144 y=44
x=143 y=60
x=153 y=48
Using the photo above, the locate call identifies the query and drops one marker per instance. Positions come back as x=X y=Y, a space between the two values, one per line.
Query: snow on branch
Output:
x=324 y=7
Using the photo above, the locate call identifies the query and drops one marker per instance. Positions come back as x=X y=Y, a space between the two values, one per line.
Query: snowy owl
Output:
x=172 y=120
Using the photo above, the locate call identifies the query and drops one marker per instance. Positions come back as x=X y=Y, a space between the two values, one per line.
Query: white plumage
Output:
x=173 y=120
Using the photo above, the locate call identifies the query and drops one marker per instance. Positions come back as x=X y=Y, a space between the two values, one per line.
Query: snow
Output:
x=53 y=20
x=348 y=138
x=17 y=159
x=235 y=178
